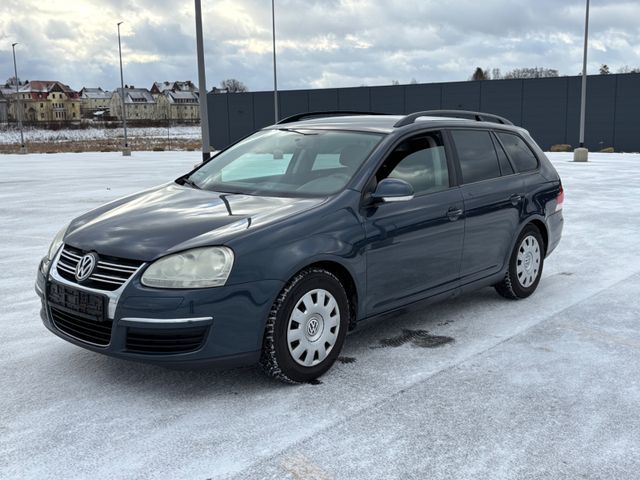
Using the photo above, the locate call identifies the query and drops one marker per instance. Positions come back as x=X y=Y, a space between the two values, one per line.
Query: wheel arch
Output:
x=346 y=278
x=542 y=228
x=536 y=221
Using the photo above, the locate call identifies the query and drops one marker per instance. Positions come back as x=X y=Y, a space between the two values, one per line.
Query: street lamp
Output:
x=126 y=151
x=202 y=86
x=275 y=74
x=581 y=154
x=23 y=148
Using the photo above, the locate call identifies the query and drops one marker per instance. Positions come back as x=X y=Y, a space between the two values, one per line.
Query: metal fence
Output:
x=548 y=107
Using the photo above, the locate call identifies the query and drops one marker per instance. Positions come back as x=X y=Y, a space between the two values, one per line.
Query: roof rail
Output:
x=329 y=113
x=477 y=116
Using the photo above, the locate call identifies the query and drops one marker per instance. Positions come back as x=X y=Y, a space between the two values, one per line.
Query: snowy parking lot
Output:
x=548 y=387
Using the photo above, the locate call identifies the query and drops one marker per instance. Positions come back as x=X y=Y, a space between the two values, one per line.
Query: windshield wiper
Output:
x=191 y=183
x=296 y=131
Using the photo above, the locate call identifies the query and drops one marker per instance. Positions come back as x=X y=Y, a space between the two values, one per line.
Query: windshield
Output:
x=289 y=162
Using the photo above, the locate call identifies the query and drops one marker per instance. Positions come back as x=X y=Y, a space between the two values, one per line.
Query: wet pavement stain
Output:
x=418 y=338
x=346 y=359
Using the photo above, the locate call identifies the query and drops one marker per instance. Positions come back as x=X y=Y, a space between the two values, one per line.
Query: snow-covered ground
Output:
x=31 y=135
x=548 y=387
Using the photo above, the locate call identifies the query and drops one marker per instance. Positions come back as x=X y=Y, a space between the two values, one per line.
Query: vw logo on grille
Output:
x=85 y=266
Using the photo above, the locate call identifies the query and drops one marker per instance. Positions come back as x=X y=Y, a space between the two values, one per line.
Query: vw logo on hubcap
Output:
x=85 y=266
x=312 y=327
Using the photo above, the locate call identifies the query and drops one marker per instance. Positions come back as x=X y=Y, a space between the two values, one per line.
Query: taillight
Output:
x=560 y=199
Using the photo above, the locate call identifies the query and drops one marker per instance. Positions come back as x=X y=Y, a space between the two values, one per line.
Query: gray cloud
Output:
x=321 y=43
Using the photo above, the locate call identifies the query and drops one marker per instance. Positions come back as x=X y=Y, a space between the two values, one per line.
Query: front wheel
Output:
x=306 y=328
x=525 y=265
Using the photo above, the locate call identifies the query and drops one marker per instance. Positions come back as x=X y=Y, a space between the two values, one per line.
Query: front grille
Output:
x=81 y=328
x=168 y=341
x=110 y=273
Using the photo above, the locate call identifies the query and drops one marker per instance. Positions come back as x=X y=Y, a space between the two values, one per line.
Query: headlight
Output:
x=55 y=244
x=197 y=268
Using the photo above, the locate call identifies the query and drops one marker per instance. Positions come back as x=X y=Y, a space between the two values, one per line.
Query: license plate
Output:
x=89 y=305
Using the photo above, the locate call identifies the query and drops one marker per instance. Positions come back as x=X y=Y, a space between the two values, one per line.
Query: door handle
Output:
x=454 y=213
x=515 y=199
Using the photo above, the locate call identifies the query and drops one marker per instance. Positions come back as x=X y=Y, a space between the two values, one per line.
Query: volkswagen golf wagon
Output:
x=273 y=249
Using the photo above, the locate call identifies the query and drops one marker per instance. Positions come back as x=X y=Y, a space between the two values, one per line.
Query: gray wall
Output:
x=548 y=107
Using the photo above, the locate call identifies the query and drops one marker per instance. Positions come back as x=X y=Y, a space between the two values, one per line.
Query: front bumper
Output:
x=220 y=326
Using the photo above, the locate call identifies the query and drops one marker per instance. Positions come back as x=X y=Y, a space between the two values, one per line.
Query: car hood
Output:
x=172 y=217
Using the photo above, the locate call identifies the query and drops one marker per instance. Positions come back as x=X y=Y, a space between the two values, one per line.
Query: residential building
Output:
x=4 y=104
x=45 y=101
x=178 y=106
x=94 y=102
x=140 y=104
x=179 y=86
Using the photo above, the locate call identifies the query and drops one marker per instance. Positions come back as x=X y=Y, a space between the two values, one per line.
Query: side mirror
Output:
x=392 y=190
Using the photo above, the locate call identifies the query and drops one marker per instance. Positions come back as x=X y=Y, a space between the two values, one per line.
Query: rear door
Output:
x=493 y=197
x=414 y=247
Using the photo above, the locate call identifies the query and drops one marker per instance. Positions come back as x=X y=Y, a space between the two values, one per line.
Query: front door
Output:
x=414 y=246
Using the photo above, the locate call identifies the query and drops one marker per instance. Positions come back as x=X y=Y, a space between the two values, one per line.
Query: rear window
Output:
x=519 y=152
x=478 y=159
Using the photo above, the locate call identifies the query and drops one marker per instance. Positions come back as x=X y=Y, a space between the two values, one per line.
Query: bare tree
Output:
x=627 y=69
x=413 y=81
x=395 y=82
x=11 y=82
x=496 y=74
x=535 y=72
x=233 y=85
x=481 y=74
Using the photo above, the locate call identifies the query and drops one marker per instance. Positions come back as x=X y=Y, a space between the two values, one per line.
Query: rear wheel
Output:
x=306 y=327
x=525 y=265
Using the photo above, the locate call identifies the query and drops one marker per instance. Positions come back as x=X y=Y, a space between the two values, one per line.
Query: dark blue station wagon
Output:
x=273 y=249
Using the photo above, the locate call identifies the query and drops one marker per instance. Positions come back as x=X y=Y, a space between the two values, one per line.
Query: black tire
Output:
x=276 y=359
x=511 y=286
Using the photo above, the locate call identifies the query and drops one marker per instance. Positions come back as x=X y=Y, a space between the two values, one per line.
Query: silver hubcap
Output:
x=313 y=327
x=528 y=263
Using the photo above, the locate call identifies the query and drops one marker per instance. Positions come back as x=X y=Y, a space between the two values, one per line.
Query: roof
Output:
x=95 y=93
x=162 y=86
x=45 y=86
x=182 y=97
x=178 y=86
x=381 y=123
x=137 y=95
x=186 y=86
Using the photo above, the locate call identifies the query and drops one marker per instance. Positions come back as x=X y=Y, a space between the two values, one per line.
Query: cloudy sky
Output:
x=321 y=43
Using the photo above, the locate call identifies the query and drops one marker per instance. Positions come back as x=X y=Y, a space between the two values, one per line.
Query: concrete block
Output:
x=581 y=155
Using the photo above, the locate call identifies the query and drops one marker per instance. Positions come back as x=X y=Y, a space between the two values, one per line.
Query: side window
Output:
x=421 y=161
x=505 y=165
x=519 y=152
x=478 y=159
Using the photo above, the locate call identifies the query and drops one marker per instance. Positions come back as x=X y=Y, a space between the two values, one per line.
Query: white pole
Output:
x=583 y=100
x=275 y=74
x=125 y=151
x=202 y=86
x=581 y=154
